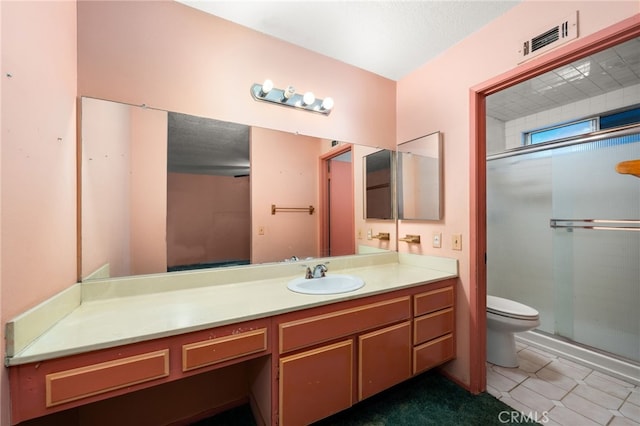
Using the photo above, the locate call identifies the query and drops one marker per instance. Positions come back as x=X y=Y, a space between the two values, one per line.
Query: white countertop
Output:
x=112 y=321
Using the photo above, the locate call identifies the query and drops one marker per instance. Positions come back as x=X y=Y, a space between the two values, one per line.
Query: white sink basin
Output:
x=330 y=284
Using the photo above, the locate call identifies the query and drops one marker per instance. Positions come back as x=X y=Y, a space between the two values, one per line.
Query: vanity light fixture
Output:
x=288 y=97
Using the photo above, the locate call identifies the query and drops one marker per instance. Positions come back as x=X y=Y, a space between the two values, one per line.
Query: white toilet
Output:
x=504 y=318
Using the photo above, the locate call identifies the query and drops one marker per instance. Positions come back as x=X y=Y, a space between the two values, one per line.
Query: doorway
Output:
x=601 y=40
x=337 y=225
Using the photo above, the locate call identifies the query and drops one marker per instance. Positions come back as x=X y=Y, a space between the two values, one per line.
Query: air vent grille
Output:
x=545 y=39
x=553 y=36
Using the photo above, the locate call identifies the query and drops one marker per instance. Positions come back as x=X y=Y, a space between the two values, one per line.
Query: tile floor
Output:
x=560 y=392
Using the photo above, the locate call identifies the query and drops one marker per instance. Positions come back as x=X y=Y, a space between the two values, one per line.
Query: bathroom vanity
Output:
x=242 y=334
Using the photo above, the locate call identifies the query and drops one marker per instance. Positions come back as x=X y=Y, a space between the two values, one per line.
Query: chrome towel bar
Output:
x=597 y=224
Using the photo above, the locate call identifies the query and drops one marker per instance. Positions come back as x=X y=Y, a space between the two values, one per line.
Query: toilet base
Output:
x=501 y=349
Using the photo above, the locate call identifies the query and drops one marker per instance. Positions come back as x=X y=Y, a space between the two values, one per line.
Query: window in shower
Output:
x=561 y=132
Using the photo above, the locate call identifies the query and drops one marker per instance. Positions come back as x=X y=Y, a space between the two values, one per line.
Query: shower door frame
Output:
x=600 y=40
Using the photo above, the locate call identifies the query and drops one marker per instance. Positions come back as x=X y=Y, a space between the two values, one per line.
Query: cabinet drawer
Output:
x=77 y=383
x=208 y=352
x=308 y=331
x=432 y=301
x=433 y=353
x=432 y=325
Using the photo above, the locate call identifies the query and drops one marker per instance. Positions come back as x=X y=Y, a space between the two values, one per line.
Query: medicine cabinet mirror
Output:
x=420 y=178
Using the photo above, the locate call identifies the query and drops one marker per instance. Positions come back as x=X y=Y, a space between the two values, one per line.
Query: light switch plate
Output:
x=437 y=239
x=456 y=241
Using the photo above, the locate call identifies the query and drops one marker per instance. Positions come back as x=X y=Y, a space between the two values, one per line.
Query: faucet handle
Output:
x=308 y=274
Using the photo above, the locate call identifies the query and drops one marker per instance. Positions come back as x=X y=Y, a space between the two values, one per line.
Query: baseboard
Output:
x=607 y=364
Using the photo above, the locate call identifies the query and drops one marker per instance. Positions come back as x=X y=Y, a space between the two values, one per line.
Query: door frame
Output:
x=324 y=195
x=600 y=40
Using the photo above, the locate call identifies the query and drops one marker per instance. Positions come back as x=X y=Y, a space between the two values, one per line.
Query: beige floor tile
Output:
x=622 y=421
x=599 y=381
x=573 y=395
x=534 y=357
x=543 y=353
x=517 y=405
x=597 y=396
x=634 y=397
x=499 y=382
x=631 y=411
x=587 y=408
x=613 y=379
x=544 y=388
x=531 y=399
x=569 y=369
x=493 y=391
x=558 y=379
x=514 y=374
x=567 y=417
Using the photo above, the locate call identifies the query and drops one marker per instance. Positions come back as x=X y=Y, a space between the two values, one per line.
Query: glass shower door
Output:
x=584 y=281
x=596 y=265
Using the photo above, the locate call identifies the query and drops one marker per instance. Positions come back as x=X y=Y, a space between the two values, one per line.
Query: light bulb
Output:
x=289 y=92
x=327 y=104
x=308 y=98
x=266 y=87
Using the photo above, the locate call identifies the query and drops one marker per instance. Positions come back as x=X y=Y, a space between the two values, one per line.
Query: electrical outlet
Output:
x=456 y=241
x=261 y=230
x=359 y=234
x=437 y=239
x=369 y=234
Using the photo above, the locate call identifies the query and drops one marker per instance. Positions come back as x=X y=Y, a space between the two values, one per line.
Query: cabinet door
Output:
x=385 y=358
x=316 y=383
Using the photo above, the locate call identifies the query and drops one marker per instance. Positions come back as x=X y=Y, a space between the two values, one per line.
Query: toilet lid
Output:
x=510 y=308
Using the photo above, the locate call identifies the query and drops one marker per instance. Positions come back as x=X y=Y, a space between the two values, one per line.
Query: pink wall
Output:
x=288 y=167
x=436 y=98
x=123 y=195
x=106 y=188
x=38 y=181
x=198 y=64
x=208 y=218
x=148 y=222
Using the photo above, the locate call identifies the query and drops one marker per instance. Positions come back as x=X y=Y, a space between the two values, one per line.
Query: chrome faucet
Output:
x=317 y=272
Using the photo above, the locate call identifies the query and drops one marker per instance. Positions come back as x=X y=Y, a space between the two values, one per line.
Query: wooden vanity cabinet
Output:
x=433 y=327
x=46 y=387
x=333 y=356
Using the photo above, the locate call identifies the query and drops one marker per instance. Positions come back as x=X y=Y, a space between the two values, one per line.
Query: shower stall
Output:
x=563 y=236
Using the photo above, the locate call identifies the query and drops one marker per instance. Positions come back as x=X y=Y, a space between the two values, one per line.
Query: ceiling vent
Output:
x=549 y=38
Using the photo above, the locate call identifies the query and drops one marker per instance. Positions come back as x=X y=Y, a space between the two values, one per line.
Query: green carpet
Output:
x=428 y=399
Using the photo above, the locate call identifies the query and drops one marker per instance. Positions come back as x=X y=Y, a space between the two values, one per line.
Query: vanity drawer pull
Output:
x=433 y=353
x=433 y=300
x=334 y=325
x=82 y=382
x=208 y=352
x=433 y=325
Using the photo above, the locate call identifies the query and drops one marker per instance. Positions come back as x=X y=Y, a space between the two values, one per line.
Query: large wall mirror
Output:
x=420 y=178
x=165 y=191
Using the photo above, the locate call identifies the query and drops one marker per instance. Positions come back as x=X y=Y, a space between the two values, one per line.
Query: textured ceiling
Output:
x=598 y=74
x=390 y=38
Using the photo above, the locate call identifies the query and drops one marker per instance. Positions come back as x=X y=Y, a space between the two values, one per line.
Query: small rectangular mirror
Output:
x=420 y=178
x=378 y=178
